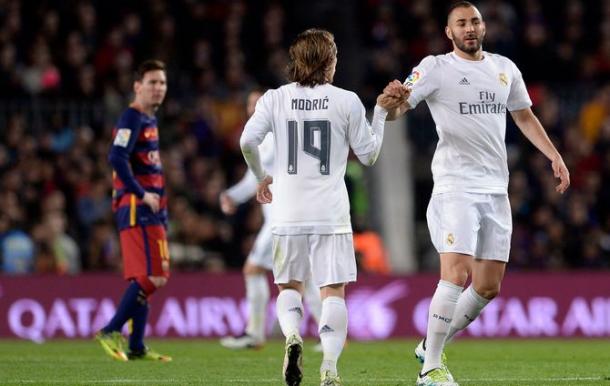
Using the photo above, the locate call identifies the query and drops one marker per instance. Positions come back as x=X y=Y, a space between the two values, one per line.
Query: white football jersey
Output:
x=468 y=101
x=314 y=127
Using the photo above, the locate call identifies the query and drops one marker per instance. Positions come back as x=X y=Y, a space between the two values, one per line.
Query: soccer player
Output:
x=260 y=258
x=140 y=209
x=468 y=92
x=314 y=125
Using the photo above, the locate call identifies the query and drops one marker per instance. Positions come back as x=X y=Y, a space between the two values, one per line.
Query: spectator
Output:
x=16 y=249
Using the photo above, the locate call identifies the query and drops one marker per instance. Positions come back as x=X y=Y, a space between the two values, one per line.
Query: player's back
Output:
x=311 y=128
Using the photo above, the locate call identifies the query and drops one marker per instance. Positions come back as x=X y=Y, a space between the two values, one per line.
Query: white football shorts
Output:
x=261 y=254
x=329 y=258
x=474 y=224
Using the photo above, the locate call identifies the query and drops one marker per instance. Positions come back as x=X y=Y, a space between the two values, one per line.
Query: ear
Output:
x=448 y=33
x=136 y=86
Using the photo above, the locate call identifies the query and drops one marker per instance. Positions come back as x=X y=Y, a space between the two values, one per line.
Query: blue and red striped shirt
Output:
x=136 y=164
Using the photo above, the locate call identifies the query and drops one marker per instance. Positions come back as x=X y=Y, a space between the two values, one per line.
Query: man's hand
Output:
x=397 y=90
x=394 y=99
x=263 y=193
x=389 y=102
x=227 y=205
x=152 y=200
x=561 y=171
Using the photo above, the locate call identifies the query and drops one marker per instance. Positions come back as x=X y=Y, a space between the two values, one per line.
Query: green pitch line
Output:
x=205 y=362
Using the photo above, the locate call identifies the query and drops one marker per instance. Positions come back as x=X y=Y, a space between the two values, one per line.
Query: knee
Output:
x=488 y=291
x=337 y=290
x=158 y=281
x=150 y=284
x=457 y=275
x=293 y=285
x=456 y=268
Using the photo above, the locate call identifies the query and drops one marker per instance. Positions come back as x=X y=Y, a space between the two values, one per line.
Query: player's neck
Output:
x=148 y=110
x=465 y=55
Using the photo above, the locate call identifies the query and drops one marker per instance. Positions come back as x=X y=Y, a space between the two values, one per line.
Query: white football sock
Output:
x=440 y=314
x=469 y=306
x=289 y=308
x=257 y=295
x=312 y=298
x=333 y=331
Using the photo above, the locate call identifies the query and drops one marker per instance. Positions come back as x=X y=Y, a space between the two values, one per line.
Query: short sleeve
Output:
x=518 y=98
x=423 y=80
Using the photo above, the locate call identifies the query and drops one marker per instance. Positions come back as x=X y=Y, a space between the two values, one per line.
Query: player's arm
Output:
x=249 y=142
x=531 y=127
x=253 y=135
x=238 y=193
x=366 y=140
x=246 y=187
x=397 y=112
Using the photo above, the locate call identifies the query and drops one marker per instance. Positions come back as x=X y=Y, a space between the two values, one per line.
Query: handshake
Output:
x=394 y=96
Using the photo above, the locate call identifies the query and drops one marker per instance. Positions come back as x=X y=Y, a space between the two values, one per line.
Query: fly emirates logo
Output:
x=487 y=104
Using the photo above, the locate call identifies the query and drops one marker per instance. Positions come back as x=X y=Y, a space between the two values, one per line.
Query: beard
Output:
x=469 y=49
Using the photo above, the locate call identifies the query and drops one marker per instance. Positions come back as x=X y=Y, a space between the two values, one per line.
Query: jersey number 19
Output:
x=309 y=129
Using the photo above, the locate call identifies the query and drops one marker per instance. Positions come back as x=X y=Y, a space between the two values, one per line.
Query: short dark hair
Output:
x=148 y=65
x=311 y=56
x=458 y=4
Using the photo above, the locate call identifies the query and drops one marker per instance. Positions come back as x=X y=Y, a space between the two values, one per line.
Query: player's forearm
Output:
x=249 y=149
x=244 y=189
x=531 y=127
x=120 y=164
x=396 y=112
x=378 y=126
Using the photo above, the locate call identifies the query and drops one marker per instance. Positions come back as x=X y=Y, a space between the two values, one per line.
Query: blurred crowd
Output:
x=66 y=74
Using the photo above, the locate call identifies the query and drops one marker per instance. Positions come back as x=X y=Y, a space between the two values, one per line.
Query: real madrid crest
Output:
x=450 y=239
x=503 y=79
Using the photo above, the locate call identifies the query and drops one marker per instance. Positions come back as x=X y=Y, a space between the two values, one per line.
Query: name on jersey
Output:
x=486 y=105
x=310 y=104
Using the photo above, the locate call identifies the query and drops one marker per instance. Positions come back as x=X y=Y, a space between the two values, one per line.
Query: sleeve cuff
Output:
x=380 y=111
x=262 y=176
x=140 y=194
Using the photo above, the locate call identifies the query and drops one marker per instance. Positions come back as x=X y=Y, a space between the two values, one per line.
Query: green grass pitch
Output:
x=205 y=362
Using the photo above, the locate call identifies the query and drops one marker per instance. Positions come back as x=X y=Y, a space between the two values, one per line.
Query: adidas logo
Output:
x=298 y=310
x=464 y=82
x=325 y=328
